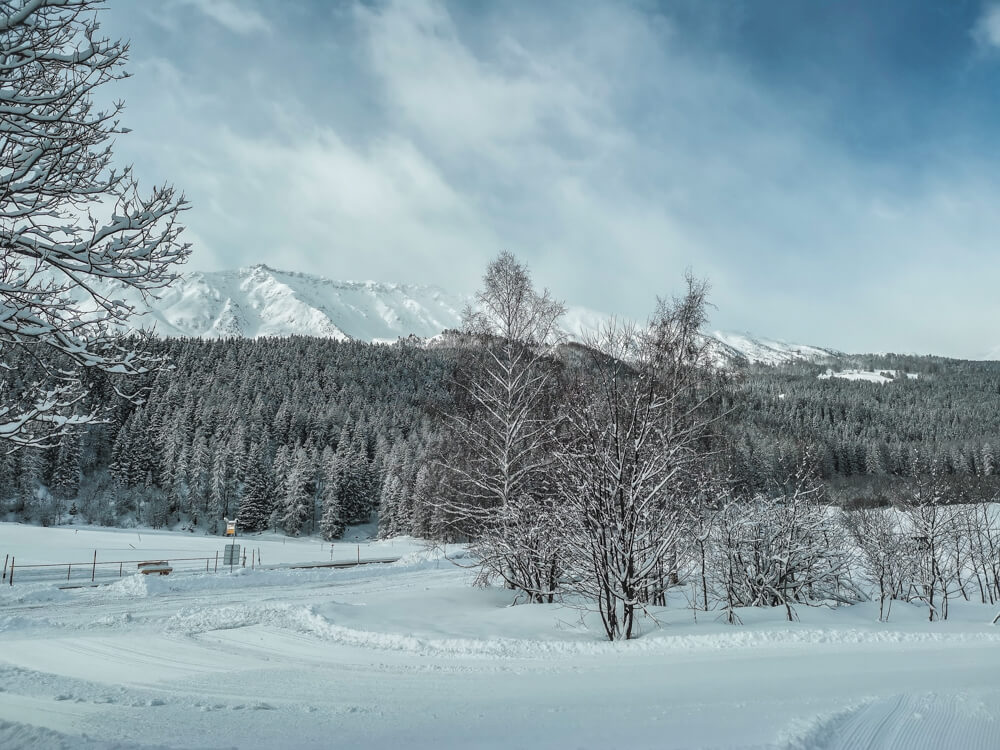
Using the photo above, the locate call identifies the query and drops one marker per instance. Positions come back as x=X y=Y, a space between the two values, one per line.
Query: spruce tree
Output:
x=298 y=497
x=332 y=522
x=256 y=503
x=66 y=473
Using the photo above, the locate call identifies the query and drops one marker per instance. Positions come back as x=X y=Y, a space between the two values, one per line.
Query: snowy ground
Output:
x=409 y=655
x=869 y=376
x=186 y=552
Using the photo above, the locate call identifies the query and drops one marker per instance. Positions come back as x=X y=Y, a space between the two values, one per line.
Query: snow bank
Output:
x=307 y=620
x=15 y=735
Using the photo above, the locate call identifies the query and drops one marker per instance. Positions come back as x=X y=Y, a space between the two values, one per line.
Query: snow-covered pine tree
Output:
x=179 y=491
x=121 y=466
x=422 y=503
x=200 y=473
x=390 y=522
x=66 y=472
x=355 y=494
x=220 y=487
x=31 y=471
x=257 y=500
x=282 y=464
x=297 y=500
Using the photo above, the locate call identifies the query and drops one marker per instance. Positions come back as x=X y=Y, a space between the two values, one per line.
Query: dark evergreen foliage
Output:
x=935 y=414
x=221 y=433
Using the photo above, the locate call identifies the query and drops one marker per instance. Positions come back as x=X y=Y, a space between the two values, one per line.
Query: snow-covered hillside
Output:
x=768 y=351
x=262 y=301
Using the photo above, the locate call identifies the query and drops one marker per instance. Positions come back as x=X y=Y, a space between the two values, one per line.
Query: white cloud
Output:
x=987 y=28
x=326 y=207
x=597 y=147
x=239 y=18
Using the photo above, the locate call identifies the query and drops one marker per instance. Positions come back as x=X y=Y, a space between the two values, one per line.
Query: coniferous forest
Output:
x=309 y=435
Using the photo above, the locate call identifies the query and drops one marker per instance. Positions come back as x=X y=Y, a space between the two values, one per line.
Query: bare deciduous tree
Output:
x=979 y=524
x=74 y=230
x=504 y=430
x=633 y=442
x=781 y=548
x=934 y=543
x=882 y=552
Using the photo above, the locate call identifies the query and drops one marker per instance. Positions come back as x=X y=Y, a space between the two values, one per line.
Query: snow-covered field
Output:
x=869 y=376
x=409 y=655
x=186 y=552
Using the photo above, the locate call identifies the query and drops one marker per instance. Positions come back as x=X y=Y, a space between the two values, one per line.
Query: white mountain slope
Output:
x=261 y=301
x=768 y=351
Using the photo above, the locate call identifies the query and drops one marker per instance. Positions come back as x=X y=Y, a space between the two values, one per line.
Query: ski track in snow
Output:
x=907 y=722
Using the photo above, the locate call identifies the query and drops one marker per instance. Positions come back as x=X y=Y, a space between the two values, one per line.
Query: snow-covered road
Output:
x=408 y=655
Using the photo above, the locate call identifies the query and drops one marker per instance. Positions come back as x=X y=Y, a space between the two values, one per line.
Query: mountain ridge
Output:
x=260 y=300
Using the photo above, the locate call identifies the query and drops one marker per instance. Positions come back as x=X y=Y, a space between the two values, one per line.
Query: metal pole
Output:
x=69 y=569
x=359 y=554
x=93 y=570
x=6 y=558
x=216 y=561
x=120 y=568
x=206 y=563
x=12 y=571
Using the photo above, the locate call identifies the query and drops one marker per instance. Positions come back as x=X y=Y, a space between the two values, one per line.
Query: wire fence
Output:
x=95 y=571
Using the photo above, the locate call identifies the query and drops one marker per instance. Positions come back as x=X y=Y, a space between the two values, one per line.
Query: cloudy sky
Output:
x=831 y=167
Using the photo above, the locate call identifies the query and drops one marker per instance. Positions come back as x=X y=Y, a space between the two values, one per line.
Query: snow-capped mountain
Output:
x=733 y=346
x=262 y=301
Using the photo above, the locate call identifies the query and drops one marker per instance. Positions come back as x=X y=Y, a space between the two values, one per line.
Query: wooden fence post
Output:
x=69 y=569
x=216 y=561
x=93 y=570
x=5 y=559
x=12 y=571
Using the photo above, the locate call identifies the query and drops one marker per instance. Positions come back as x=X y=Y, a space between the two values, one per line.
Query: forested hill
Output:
x=308 y=434
x=295 y=433
x=884 y=416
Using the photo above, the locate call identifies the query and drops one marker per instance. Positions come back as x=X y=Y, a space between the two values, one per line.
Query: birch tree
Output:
x=503 y=430
x=75 y=232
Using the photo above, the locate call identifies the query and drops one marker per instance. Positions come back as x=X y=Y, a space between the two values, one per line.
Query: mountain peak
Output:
x=260 y=300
